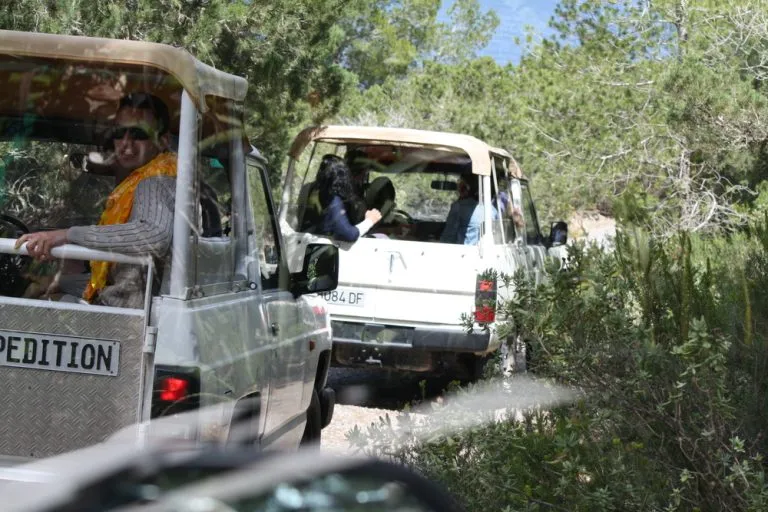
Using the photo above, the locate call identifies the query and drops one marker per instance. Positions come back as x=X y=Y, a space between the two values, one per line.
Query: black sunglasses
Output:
x=134 y=132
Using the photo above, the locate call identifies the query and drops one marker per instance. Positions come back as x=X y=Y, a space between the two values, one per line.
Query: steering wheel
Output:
x=406 y=215
x=13 y=266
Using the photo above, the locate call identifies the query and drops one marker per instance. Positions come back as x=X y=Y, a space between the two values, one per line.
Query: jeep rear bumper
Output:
x=429 y=339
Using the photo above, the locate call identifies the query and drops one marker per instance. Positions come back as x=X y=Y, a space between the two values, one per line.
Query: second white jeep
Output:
x=411 y=288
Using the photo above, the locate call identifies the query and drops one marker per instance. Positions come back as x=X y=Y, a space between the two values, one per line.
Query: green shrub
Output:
x=667 y=342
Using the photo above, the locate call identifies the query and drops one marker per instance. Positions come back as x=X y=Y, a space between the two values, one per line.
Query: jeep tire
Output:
x=314 y=426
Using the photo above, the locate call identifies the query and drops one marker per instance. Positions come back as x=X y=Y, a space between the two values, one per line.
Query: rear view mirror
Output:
x=93 y=163
x=320 y=272
x=558 y=233
x=443 y=185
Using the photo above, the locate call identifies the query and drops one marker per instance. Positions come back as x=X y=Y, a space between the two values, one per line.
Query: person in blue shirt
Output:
x=466 y=215
x=336 y=196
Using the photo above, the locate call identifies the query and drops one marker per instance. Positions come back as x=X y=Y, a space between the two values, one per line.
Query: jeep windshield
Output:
x=413 y=186
x=56 y=127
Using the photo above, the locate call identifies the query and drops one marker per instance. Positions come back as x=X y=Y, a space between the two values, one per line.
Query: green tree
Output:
x=659 y=101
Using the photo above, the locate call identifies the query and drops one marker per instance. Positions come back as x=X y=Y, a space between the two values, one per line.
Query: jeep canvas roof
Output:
x=197 y=78
x=478 y=151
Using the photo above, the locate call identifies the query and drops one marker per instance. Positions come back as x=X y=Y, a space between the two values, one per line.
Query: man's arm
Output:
x=149 y=228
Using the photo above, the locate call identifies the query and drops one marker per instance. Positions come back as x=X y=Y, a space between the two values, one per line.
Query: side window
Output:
x=532 y=232
x=214 y=247
x=214 y=217
x=265 y=234
x=502 y=201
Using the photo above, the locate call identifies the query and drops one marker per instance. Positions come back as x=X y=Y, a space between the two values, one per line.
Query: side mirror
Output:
x=320 y=272
x=558 y=233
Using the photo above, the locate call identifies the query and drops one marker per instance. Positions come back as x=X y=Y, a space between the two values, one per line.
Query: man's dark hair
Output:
x=144 y=101
x=473 y=186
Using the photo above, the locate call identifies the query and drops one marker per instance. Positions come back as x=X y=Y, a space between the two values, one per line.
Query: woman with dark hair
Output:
x=335 y=192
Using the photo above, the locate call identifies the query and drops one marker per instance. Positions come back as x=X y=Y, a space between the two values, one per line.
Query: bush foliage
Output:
x=666 y=341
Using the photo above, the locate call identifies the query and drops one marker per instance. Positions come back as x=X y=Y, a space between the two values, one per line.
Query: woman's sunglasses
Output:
x=134 y=133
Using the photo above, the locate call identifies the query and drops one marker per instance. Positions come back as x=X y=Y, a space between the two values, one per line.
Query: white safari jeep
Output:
x=405 y=286
x=222 y=326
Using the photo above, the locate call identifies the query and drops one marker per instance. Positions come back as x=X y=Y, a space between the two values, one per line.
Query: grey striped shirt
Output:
x=149 y=230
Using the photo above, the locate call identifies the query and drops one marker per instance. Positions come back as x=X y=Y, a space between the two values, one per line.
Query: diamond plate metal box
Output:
x=50 y=412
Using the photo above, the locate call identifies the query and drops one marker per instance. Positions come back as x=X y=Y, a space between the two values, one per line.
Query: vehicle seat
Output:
x=310 y=211
x=210 y=216
x=380 y=194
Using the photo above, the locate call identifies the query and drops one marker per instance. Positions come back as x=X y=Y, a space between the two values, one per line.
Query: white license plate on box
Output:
x=59 y=353
x=345 y=297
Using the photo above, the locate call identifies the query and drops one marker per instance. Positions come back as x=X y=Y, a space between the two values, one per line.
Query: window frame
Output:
x=525 y=189
x=258 y=165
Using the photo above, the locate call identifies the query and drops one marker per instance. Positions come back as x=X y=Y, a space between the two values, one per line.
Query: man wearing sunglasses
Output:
x=138 y=216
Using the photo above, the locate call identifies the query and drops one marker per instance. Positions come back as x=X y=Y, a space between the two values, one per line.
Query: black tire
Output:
x=314 y=427
x=510 y=360
x=475 y=367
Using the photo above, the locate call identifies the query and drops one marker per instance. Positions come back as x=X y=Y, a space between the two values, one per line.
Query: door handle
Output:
x=275 y=328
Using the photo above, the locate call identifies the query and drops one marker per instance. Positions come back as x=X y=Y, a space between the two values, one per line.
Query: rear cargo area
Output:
x=70 y=375
x=405 y=282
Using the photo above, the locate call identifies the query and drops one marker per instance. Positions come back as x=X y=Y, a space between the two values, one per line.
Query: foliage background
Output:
x=650 y=111
x=654 y=112
x=665 y=343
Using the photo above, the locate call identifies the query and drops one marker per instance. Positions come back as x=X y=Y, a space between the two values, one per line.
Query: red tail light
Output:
x=485 y=315
x=173 y=389
x=485 y=300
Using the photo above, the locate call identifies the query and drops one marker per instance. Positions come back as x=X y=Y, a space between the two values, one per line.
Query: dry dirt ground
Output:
x=591 y=226
x=363 y=396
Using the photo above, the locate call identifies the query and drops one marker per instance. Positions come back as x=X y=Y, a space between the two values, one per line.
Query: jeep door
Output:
x=289 y=319
x=211 y=317
x=509 y=244
x=534 y=241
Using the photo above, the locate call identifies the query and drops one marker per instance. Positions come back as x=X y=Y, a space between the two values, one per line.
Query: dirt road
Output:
x=363 y=396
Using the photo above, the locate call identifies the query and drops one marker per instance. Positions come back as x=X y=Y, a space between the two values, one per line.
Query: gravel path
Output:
x=363 y=396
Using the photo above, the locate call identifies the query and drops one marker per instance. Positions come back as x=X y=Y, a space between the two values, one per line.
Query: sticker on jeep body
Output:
x=59 y=353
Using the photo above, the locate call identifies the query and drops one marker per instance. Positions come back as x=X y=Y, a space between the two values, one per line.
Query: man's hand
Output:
x=39 y=244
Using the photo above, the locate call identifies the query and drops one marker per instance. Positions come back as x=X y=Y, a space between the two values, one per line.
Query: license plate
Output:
x=345 y=297
x=59 y=353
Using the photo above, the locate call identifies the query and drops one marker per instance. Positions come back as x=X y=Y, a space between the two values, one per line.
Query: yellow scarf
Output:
x=118 y=210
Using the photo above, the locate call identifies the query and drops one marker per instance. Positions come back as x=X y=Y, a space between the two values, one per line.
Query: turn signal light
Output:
x=485 y=286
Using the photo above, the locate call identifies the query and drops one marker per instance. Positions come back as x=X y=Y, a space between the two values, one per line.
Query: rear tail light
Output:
x=485 y=300
x=173 y=389
x=176 y=389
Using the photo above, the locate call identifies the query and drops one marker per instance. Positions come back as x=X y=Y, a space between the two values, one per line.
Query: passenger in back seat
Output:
x=335 y=191
x=138 y=217
x=466 y=214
